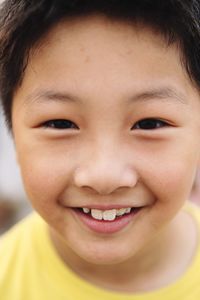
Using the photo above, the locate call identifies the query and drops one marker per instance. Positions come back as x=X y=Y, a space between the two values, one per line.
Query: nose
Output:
x=106 y=174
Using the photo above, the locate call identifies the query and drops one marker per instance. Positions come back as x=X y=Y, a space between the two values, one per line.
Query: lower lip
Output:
x=106 y=227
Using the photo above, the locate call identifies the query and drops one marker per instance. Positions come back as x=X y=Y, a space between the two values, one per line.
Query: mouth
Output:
x=106 y=215
x=106 y=220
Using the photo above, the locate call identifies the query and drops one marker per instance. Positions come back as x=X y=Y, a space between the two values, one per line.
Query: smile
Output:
x=105 y=221
x=106 y=215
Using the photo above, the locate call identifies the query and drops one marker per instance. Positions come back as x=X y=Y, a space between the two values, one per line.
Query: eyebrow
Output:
x=51 y=95
x=163 y=93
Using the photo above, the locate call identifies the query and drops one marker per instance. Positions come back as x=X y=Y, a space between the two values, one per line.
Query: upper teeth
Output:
x=86 y=210
x=107 y=215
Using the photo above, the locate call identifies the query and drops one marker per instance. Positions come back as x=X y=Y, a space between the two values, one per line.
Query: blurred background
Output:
x=13 y=202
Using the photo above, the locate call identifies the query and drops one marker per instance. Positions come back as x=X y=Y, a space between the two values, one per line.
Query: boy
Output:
x=102 y=98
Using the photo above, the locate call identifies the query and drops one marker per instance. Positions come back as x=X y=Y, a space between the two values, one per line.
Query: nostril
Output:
x=90 y=190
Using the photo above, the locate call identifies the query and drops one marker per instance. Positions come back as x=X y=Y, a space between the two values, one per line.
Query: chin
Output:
x=105 y=255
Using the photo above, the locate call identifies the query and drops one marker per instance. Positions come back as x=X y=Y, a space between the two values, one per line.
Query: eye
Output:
x=150 y=124
x=60 y=124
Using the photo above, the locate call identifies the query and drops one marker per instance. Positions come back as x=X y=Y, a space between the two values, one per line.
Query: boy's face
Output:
x=106 y=118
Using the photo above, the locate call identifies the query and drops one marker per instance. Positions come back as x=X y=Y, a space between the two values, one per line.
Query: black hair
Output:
x=24 y=22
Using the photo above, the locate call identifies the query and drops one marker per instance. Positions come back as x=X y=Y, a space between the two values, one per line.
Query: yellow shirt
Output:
x=30 y=269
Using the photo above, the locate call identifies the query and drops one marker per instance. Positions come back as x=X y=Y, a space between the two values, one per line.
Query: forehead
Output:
x=91 y=55
x=96 y=37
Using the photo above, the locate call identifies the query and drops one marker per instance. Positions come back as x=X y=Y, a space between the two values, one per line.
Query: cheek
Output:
x=170 y=173
x=44 y=179
x=172 y=182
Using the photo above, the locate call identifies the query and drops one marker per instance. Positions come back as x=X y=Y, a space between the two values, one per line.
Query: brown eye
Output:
x=60 y=124
x=149 y=124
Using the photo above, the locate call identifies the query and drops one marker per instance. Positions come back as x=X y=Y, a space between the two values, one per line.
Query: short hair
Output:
x=24 y=22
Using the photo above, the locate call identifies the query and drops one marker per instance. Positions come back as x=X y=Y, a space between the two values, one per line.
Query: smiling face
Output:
x=106 y=118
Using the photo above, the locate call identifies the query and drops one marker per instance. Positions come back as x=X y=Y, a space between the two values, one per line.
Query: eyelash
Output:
x=60 y=124
x=144 y=124
x=150 y=124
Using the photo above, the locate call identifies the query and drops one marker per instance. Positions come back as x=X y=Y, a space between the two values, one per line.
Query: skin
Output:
x=98 y=74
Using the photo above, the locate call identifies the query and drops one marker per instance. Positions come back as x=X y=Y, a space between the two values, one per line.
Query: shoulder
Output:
x=19 y=258
x=17 y=232
x=15 y=243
